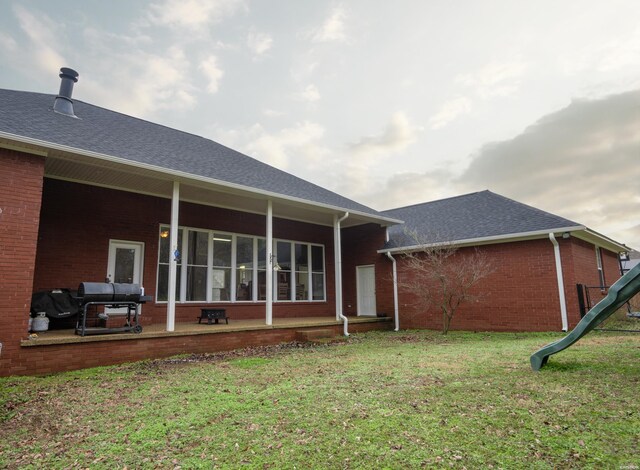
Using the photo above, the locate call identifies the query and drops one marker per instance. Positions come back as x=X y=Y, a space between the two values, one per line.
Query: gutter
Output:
x=337 y=251
x=484 y=240
x=563 y=302
x=395 y=291
x=174 y=174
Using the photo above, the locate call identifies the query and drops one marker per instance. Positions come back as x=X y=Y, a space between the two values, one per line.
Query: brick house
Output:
x=92 y=195
x=537 y=260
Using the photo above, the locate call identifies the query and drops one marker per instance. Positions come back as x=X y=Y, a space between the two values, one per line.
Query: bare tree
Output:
x=440 y=276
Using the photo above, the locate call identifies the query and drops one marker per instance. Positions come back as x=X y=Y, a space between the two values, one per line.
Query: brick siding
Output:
x=20 y=196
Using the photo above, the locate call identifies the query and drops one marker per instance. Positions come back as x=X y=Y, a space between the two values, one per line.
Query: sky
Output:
x=387 y=103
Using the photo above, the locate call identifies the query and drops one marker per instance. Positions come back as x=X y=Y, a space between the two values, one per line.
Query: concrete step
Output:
x=315 y=335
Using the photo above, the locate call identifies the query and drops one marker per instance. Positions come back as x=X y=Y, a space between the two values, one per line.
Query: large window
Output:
x=226 y=267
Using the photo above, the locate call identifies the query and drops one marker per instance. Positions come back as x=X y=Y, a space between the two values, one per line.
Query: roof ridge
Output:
x=532 y=207
x=436 y=200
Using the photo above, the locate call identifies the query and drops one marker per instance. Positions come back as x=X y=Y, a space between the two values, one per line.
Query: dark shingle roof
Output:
x=471 y=216
x=100 y=130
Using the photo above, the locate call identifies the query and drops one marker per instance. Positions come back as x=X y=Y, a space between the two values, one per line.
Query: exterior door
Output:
x=124 y=265
x=366 y=282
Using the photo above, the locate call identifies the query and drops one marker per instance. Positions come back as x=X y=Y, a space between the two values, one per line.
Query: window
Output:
x=221 y=272
x=302 y=271
x=197 y=264
x=283 y=256
x=163 y=265
x=600 y=270
x=317 y=268
x=224 y=267
x=244 y=268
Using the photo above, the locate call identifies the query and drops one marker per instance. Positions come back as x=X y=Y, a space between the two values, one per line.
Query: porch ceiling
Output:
x=114 y=175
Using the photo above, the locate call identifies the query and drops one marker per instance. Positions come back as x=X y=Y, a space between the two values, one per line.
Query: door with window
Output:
x=366 y=285
x=124 y=265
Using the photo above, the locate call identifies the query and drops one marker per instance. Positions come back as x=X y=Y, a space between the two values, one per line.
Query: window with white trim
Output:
x=599 y=264
x=227 y=267
x=163 y=265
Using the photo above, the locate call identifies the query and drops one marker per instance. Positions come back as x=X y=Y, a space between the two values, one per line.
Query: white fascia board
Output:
x=509 y=237
x=175 y=175
x=600 y=240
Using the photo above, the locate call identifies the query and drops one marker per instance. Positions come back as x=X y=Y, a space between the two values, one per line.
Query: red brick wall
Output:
x=520 y=294
x=58 y=358
x=580 y=267
x=79 y=220
x=359 y=247
x=20 y=196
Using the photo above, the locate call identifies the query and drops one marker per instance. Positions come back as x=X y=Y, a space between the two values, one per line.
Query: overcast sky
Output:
x=389 y=103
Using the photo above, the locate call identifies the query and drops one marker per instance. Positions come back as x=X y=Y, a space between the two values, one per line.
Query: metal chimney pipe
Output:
x=63 y=103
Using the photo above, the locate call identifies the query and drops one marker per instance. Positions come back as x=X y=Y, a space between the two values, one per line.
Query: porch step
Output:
x=315 y=335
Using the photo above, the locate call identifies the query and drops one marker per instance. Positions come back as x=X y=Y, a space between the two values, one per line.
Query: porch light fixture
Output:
x=566 y=235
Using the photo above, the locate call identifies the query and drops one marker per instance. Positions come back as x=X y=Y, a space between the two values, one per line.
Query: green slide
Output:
x=625 y=288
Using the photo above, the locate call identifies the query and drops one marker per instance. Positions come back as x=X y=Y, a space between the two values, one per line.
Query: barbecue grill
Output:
x=110 y=295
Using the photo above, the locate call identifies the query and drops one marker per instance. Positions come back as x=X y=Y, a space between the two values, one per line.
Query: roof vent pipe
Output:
x=63 y=103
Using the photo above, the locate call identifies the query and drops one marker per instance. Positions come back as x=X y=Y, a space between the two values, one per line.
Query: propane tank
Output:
x=41 y=322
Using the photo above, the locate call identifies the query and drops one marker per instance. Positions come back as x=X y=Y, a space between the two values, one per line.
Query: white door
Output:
x=366 y=282
x=124 y=265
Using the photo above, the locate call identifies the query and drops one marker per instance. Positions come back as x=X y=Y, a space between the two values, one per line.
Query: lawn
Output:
x=377 y=400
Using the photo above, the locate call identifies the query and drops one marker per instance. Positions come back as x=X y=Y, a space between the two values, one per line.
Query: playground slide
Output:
x=625 y=288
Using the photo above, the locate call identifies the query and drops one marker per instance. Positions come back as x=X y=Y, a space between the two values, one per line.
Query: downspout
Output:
x=337 y=251
x=563 y=302
x=395 y=291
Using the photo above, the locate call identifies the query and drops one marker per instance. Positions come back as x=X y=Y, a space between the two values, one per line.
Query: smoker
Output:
x=110 y=295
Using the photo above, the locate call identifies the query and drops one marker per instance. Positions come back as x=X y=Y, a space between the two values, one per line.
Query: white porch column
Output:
x=337 y=252
x=270 y=265
x=173 y=262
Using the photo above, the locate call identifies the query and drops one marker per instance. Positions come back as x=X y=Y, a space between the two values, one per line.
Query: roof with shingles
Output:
x=470 y=216
x=100 y=130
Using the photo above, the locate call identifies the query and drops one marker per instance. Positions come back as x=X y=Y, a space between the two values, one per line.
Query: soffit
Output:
x=77 y=168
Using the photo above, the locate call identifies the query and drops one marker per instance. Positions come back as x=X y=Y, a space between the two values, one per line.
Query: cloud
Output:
x=619 y=53
x=297 y=149
x=494 y=79
x=209 y=67
x=8 y=43
x=309 y=94
x=147 y=83
x=42 y=35
x=272 y=113
x=259 y=43
x=361 y=164
x=396 y=137
x=192 y=14
x=333 y=29
x=402 y=189
x=580 y=162
x=450 y=111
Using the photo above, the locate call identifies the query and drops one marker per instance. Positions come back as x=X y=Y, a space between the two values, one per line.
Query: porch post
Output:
x=173 y=257
x=337 y=252
x=270 y=265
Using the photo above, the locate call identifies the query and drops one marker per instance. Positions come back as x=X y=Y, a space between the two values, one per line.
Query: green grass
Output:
x=378 y=400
